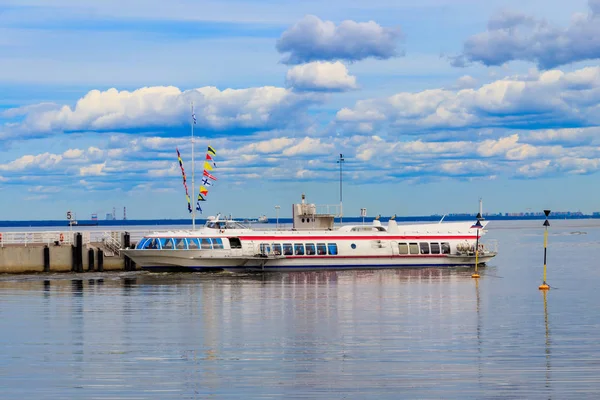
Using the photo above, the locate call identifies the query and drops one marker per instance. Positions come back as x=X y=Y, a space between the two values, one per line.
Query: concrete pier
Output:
x=18 y=259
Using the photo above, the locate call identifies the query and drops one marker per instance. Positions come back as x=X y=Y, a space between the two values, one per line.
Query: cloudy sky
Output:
x=433 y=104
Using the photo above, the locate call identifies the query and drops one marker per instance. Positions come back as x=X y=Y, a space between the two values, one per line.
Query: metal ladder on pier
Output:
x=111 y=242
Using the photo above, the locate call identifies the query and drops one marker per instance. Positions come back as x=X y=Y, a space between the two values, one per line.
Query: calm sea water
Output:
x=428 y=333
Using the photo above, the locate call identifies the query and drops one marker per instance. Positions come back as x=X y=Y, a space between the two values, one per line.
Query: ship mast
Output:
x=341 y=161
x=193 y=173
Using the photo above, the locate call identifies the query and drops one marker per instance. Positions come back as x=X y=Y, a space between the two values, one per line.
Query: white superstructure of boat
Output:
x=224 y=244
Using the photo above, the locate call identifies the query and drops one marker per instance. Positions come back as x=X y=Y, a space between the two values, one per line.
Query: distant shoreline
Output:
x=153 y=222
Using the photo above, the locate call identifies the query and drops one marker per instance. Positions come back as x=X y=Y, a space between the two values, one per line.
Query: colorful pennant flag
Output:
x=184 y=180
x=209 y=175
x=209 y=158
x=208 y=166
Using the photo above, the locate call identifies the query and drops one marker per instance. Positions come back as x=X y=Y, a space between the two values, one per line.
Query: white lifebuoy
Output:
x=62 y=237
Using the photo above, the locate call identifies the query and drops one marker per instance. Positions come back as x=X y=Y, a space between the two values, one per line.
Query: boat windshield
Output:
x=224 y=225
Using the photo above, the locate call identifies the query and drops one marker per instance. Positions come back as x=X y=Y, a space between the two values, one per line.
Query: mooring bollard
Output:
x=126 y=244
x=90 y=259
x=73 y=258
x=79 y=242
x=46 y=258
x=100 y=260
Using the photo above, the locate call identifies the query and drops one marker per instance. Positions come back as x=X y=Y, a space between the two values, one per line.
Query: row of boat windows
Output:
x=286 y=249
x=180 y=243
x=424 y=248
x=299 y=249
x=321 y=249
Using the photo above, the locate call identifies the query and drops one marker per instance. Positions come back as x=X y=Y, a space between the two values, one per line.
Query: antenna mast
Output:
x=193 y=172
x=341 y=161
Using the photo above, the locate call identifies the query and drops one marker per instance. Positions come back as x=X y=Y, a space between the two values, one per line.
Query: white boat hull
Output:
x=201 y=261
x=223 y=245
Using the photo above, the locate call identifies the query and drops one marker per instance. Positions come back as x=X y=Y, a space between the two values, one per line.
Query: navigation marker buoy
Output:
x=544 y=285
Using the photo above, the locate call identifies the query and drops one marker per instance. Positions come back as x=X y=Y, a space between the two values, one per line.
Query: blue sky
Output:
x=433 y=105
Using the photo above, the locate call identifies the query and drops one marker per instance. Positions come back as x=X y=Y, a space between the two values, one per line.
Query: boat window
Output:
x=435 y=248
x=414 y=248
x=321 y=249
x=332 y=249
x=277 y=249
x=167 y=243
x=193 y=243
x=235 y=243
x=445 y=248
x=233 y=225
x=217 y=243
x=288 y=249
x=179 y=243
x=298 y=249
x=152 y=244
x=265 y=248
x=310 y=249
x=142 y=242
x=205 y=244
x=424 y=247
x=402 y=248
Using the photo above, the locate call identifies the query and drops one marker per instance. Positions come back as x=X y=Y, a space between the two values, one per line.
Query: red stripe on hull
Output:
x=313 y=238
x=378 y=256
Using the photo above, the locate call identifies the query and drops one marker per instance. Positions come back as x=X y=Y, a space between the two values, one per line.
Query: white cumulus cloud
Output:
x=321 y=76
x=312 y=39
x=547 y=100
x=515 y=36
x=92 y=170
x=164 y=107
x=308 y=146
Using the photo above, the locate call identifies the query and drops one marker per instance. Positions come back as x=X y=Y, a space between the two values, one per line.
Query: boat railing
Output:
x=327 y=209
x=36 y=238
x=485 y=247
x=57 y=238
x=490 y=245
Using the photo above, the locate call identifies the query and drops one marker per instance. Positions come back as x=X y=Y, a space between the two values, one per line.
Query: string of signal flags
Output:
x=207 y=178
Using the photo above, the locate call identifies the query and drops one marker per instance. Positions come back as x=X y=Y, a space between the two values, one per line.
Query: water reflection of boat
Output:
x=225 y=244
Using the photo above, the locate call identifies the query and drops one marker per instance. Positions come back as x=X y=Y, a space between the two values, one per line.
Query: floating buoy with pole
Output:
x=544 y=285
x=478 y=226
